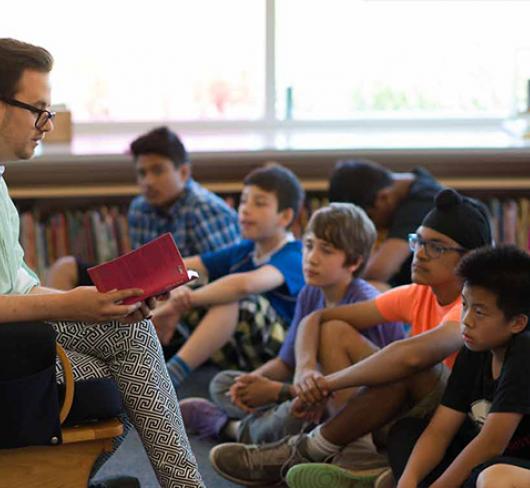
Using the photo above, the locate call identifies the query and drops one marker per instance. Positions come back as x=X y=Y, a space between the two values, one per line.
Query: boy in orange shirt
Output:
x=406 y=378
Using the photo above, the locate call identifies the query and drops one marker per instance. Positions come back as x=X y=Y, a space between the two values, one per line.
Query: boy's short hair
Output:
x=502 y=270
x=17 y=56
x=281 y=181
x=358 y=181
x=346 y=227
x=161 y=141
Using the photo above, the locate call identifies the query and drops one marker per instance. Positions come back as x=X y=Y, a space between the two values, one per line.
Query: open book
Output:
x=155 y=267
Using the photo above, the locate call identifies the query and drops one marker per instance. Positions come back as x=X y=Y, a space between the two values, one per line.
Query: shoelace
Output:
x=294 y=451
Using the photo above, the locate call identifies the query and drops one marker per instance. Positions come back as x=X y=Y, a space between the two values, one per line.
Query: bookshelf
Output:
x=103 y=185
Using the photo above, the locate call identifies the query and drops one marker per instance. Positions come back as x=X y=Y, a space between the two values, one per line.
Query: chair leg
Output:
x=63 y=466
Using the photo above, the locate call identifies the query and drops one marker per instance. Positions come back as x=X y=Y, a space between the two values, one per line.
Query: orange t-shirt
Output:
x=417 y=306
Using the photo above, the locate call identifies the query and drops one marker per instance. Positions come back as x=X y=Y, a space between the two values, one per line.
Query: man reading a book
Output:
x=103 y=336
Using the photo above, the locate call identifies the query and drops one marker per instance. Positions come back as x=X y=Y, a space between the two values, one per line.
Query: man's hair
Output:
x=346 y=227
x=281 y=181
x=358 y=181
x=17 y=56
x=503 y=271
x=161 y=141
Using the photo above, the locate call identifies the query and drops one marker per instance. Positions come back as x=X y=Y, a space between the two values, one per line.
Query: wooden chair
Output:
x=65 y=465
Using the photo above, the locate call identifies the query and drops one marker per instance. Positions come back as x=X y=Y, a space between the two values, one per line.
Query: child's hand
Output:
x=255 y=390
x=307 y=413
x=313 y=388
x=180 y=299
x=165 y=320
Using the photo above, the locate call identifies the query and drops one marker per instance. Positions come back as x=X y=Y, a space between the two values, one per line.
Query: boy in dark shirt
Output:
x=484 y=416
x=396 y=203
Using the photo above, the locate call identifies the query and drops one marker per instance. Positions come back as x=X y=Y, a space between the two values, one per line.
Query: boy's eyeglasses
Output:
x=42 y=115
x=433 y=250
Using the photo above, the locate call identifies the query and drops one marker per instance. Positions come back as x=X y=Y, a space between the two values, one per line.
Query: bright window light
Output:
x=347 y=59
x=126 y=61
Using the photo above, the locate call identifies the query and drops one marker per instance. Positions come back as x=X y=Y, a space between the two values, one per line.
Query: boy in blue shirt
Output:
x=256 y=407
x=252 y=287
x=484 y=416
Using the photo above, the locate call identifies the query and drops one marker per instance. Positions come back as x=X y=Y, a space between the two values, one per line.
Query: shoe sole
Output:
x=320 y=475
x=239 y=481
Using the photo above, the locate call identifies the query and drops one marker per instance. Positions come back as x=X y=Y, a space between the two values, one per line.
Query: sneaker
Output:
x=202 y=417
x=321 y=475
x=385 y=480
x=253 y=465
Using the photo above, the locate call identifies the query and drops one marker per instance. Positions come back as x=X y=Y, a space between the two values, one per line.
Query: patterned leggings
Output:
x=132 y=355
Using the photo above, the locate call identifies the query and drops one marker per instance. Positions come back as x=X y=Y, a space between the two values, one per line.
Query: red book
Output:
x=155 y=267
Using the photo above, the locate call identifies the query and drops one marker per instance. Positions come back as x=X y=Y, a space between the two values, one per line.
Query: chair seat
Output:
x=90 y=432
x=94 y=399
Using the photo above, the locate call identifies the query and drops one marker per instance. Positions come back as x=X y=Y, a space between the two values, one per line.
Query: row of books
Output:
x=510 y=221
x=95 y=235
x=99 y=234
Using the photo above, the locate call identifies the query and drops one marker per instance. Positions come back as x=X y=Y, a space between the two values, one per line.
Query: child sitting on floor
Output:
x=255 y=407
x=253 y=285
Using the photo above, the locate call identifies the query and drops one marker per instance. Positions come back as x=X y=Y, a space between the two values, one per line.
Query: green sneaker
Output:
x=321 y=475
x=253 y=465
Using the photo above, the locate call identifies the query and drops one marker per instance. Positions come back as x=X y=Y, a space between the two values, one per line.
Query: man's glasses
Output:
x=433 y=250
x=42 y=115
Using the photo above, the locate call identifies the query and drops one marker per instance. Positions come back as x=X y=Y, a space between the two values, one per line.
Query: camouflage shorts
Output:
x=259 y=334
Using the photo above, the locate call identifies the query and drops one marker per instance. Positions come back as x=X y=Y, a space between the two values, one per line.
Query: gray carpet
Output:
x=130 y=459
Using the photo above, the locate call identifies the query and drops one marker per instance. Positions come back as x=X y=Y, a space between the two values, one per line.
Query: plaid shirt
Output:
x=199 y=220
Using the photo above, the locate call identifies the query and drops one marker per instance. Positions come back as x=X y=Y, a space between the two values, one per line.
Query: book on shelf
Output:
x=156 y=267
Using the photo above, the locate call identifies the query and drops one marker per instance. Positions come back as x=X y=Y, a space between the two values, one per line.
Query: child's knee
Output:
x=221 y=384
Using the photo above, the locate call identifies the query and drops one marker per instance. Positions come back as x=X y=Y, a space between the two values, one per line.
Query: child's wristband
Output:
x=285 y=393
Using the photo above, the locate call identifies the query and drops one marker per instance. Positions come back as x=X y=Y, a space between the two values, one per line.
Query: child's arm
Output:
x=275 y=369
x=397 y=361
x=386 y=260
x=195 y=263
x=234 y=287
x=490 y=442
x=431 y=446
x=360 y=315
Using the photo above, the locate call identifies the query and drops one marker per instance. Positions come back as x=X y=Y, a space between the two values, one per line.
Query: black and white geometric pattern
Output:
x=132 y=355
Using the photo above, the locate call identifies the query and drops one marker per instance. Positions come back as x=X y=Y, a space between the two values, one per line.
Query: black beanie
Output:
x=461 y=218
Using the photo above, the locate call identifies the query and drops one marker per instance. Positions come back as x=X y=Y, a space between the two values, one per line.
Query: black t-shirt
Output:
x=471 y=389
x=409 y=215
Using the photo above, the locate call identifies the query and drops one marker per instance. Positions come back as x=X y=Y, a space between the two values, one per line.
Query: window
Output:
x=347 y=59
x=333 y=60
x=150 y=60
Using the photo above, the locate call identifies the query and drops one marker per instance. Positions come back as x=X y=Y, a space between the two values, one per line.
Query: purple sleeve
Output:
x=286 y=353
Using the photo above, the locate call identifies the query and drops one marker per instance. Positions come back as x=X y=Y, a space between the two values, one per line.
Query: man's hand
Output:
x=253 y=390
x=313 y=388
x=86 y=304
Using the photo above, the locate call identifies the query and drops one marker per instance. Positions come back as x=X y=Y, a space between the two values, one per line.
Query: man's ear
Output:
x=519 y=323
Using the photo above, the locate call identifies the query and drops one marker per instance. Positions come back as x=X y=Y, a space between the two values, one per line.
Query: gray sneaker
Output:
x=253 y=465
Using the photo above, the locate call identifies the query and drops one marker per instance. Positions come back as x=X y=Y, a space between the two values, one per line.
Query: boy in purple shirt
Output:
x=256 y=407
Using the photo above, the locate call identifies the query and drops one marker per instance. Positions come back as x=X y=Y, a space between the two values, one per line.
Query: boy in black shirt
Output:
x=396 y=203
x=484 y=416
